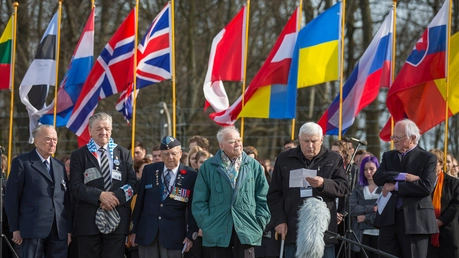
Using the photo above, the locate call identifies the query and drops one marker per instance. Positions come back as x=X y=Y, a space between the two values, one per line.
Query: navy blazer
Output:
x=87 y=184
x=417 y=203
x=172 y=218
x=33 y=199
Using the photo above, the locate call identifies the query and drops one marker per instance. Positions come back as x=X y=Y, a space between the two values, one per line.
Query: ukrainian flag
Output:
x=315 y=58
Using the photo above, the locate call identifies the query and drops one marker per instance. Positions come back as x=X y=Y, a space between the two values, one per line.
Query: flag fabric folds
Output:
x=362 y=87
x=6 y=53
x=418 y=91
x=225 y=62
x=108 y=76
x=315 y=57
x=154 y=59
x=266 y=96
x=78 y=70
x=41 y=73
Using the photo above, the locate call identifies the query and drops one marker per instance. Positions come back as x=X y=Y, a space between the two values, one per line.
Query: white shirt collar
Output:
x=43 y=159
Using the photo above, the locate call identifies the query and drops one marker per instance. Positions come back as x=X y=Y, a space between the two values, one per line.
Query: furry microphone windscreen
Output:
x=313 y=220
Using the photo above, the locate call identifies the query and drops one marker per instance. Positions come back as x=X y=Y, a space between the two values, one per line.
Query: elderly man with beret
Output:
x=163 y=225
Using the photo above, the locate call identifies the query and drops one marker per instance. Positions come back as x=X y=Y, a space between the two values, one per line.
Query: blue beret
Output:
x=168 y=142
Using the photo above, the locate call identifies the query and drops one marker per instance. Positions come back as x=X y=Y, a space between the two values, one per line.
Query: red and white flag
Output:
x=225 y=62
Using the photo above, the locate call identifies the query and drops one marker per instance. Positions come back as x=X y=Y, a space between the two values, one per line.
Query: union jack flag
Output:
x=107 y=77
x=154 y=59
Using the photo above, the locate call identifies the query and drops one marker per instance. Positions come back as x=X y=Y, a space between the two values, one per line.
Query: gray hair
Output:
x=221 y=133
x=411 y=129
x=38 y=128
x=99 y=117
x=311 y=128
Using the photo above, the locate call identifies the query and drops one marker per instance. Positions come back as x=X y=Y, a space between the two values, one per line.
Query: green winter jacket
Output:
x=217 y=207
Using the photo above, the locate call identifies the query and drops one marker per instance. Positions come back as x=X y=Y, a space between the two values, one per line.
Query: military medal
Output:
x=157 y=177
x=180 y=194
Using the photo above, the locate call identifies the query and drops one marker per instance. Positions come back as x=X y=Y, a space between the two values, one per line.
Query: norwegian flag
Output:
x=107 y=77
x=154 y=59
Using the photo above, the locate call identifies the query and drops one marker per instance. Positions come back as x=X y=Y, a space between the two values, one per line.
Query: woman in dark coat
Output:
x=445 y=199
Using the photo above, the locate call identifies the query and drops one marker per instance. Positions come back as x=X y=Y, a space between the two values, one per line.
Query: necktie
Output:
x=46 y=163
x=167 y=180
x=105 y=169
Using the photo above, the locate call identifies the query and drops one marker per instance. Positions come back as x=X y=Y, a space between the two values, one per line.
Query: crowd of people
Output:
x=103 y=202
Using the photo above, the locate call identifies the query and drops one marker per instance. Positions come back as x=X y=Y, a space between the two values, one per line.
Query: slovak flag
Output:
x=225 y=62
x=154 y=59
x=426 y=63
x=107 y=77
x=77 y=72
x=266 y=96
x=362 y=87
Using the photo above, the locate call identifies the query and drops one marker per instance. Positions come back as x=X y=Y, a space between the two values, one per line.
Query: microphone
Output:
x=364 y=143
x=313 y=221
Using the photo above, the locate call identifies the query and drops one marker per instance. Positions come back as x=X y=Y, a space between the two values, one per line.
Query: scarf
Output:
x=93 y=149
x=436 y=201
x=231 y=167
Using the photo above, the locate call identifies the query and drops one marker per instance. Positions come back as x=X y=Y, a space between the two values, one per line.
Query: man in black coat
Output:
x=285 y=200
x=408 y=172
x=163 y=225
x=103 y=181
x=37 y=202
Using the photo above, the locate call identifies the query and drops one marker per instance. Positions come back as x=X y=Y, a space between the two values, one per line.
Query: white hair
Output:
x=222 y=132
x=411 y=129
x=99 y=117
x=311 y=128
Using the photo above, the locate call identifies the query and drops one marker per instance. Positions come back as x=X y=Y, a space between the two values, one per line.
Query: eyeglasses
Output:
x=398 y=138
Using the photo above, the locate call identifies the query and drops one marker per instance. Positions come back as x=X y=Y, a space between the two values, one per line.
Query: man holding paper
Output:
x=324 y=173
x=408 y=172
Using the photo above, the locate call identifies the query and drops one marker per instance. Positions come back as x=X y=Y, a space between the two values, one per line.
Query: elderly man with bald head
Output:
x=37 y=199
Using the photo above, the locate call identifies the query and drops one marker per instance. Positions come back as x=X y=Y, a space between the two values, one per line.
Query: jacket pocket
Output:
x=217 y=198
x=425 y=205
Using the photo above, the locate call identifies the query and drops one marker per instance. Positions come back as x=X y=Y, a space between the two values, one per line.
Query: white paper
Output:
x=298 y=177
x=382 y=201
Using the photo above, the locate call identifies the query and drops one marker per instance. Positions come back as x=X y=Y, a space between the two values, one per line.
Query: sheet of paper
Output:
x=382 y=201
x=298 y=177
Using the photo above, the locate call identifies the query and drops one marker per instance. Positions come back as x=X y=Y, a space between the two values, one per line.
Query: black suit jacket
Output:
x=415 y=196
x=170 y=219
x=33 y=199
x=84 y=163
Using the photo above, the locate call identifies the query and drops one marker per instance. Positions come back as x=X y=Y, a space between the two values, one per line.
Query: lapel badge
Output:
x=116 y=161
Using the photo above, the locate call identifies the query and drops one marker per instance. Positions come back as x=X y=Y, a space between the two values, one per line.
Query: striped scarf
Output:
x=436 y=201
x=93 y=149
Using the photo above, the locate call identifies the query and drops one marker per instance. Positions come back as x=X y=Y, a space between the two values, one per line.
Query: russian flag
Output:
x=362 y=87
x=266 y=96
x=415 y=82
x=78 y=70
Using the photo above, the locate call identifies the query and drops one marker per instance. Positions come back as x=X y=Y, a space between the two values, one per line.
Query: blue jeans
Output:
x=290 y=250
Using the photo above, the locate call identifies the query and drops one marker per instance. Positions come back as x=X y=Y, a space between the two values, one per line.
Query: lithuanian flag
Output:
x=6 y=47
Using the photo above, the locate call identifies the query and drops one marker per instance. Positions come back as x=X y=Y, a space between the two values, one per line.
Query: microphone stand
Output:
x=347 y=223
x=333 y=235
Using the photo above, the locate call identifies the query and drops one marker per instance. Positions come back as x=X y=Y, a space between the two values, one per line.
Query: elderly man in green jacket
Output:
x=229 y=201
